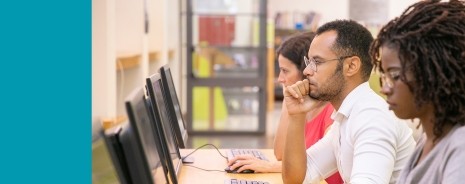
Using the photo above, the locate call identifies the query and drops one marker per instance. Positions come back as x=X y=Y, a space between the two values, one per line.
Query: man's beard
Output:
x=331 y=88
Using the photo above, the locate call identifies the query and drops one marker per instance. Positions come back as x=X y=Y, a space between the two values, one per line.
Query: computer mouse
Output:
x=228 y=170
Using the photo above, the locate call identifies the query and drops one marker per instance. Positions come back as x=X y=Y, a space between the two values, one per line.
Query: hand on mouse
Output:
x=243 y=162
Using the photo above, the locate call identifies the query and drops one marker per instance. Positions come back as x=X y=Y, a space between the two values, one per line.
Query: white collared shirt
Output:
x=366 y=143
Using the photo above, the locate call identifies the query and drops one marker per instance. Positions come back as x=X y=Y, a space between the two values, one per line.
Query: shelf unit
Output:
x=224 y=44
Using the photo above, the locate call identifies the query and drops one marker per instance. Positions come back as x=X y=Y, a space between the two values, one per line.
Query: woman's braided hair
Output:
x=430 y=39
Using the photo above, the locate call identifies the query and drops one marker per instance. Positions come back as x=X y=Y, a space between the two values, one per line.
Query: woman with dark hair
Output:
x=291 y=55
x=421 y=57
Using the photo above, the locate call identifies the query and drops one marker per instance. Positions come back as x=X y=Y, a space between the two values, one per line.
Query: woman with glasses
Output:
x=421 y=56
x=291 y=64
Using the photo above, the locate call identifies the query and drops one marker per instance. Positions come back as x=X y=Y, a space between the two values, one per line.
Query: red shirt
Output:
x=315 y=130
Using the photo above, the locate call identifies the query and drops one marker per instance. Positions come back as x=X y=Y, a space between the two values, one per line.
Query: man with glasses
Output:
x=366 y=143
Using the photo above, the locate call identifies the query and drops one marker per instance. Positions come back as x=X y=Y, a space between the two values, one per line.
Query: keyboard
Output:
x=236 y=181
x=258 y=154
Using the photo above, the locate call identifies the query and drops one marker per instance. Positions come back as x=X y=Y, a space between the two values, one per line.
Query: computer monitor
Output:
x=169 y=163
x=148 y=156
x=174 y=108
x=108 y=163
x=154 y=88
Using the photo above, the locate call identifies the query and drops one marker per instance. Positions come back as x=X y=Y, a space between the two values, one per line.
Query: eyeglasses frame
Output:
x=312 y=62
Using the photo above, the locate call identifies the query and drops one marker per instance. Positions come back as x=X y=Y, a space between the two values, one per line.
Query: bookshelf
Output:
x=226 y=53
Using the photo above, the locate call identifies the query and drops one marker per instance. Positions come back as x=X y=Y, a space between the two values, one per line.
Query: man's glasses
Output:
x=388 y=79
x=312 y=62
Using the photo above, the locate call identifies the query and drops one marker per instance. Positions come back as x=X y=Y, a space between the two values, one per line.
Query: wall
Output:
x=398 y=6
x=164 y=37
x=103 y=59
x=118 y=32
x=330 y=9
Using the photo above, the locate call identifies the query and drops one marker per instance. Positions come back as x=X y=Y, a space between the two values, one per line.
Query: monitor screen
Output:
x=140 y=125
x=154 y=88
x=174 y=108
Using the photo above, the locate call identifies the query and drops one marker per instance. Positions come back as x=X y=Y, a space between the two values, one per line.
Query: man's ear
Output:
x=352 y=66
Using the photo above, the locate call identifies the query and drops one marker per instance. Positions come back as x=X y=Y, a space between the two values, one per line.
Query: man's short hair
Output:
x=353 y=39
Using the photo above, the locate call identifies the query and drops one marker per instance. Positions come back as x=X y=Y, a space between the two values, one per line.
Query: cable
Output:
x=202 y=147
x=209 y=170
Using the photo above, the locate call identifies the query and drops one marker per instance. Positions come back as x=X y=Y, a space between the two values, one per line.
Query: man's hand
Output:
x=296 y=98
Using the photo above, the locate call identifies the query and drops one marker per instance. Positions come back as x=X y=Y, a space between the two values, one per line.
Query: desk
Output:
x=210 y=159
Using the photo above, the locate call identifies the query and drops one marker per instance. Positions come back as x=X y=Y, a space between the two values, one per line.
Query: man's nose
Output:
x=308 y=71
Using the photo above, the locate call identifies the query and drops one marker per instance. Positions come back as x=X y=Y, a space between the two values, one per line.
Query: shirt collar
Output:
x=349 y=101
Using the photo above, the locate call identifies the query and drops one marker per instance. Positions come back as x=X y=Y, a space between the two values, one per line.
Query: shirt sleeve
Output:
x=373 y=135
x=321 y=161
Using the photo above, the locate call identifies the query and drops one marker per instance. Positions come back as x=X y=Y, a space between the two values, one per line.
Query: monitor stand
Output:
x=188 y=160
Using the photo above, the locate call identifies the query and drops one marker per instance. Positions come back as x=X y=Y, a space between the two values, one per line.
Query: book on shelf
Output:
x=297 y=20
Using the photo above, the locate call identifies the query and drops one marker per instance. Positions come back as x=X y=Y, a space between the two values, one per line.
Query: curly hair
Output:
x=430 y=39
x=295 y=48
x=352 y=40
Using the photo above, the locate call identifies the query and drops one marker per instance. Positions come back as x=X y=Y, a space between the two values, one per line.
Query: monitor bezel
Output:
x=115 y=152
x=151 y=82
x=172 y=99
x=161 y=143
x=135 y=102
x=135 y=156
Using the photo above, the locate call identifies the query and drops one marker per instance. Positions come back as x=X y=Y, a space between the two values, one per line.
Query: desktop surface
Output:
x=210 y=159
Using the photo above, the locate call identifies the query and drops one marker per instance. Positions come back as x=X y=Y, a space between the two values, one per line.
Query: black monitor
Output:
x=148 y=164
x=160 y=114
x=174 y=109
x=169 y=163
x=108 y=163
